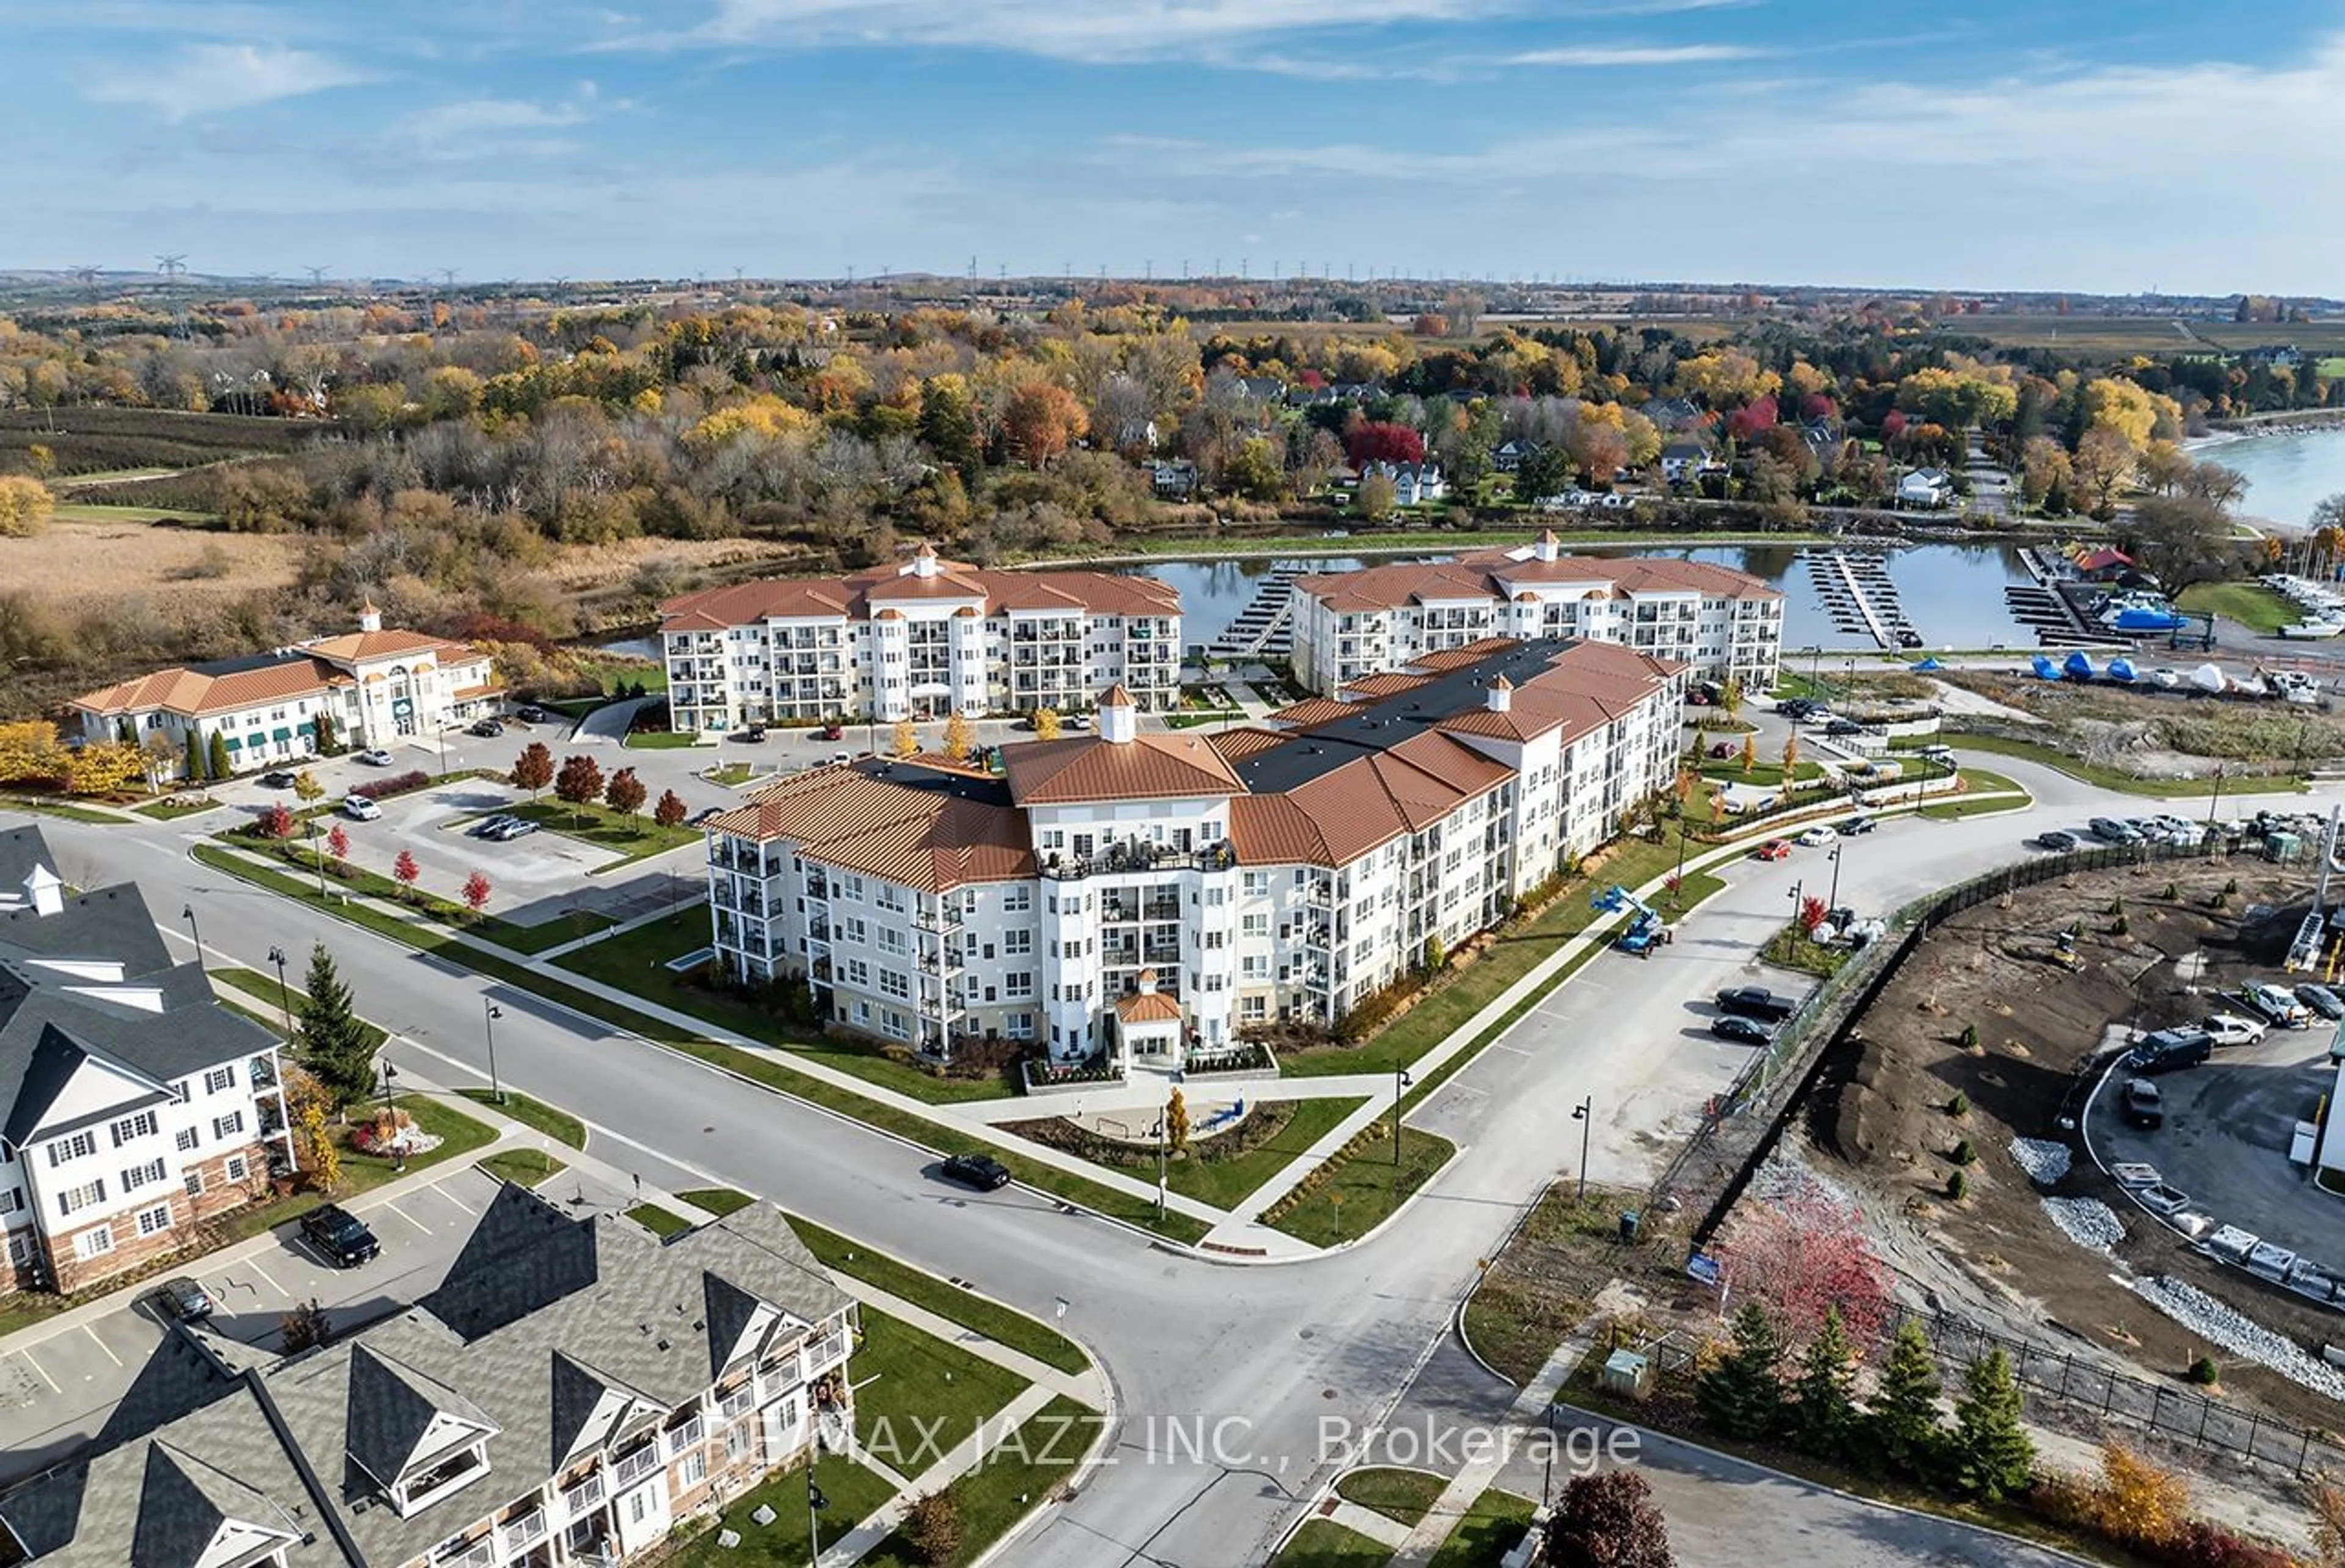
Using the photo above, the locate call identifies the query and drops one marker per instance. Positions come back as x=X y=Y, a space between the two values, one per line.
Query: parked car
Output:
x=533 y=715
x=487 y=726
x=375 y=757
x=487 y=826
x=1756 y=1002
x=358 y=808
x=1079 y=721
x=519 y=827
x=1721 y=752
x=2231 y=1029
x=755 y=734
x=703 y=816
x=280 y=779
x=1774 y=849
x=837 y=757
x=2060 y=840
x=1817 y=837
x=1844 y=727
x=1938 y=754
x=2109 y=830
x=2171 y=1050
x=832 y=731
x=2321 y=1000
x=2276 y=1004
x=1852 y=826
x=185 y=1299
x=1742 y=1031
x=340 y=1235
x=2142 y=1104
x=982 y=1171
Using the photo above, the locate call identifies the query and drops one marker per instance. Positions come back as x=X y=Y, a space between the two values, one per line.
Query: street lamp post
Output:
x=187 y=914
x=1584 y=1113
x=489 y=1014
x=816 y=1503
x=389 y=1088
x=1401 y=1080
x=284 y=991
x=1161 y=1135
x=2215 y=807
x=1833 y=902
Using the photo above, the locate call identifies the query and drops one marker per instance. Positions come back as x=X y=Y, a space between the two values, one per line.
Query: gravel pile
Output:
x=2088 y=1222
x=2045 y=1163
x=2239 y=1334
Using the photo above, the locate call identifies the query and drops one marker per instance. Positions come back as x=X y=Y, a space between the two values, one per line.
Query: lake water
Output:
x=1952 y=593
x=2288 y=475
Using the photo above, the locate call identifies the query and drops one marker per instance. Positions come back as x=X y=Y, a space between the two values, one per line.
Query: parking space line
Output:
x=411 y=1218
x=440 y=1188
x=100 y=1344
x=42 y=1369
x=264 y=1274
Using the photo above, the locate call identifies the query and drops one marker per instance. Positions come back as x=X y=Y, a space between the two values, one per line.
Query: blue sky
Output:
x=1975 y=143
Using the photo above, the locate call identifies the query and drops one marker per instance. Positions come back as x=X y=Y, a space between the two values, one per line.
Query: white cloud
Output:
x=1602 y=55
x=214 y=79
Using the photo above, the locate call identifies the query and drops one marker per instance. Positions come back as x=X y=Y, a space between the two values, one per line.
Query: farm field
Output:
x=93 y=555
x=95 y=440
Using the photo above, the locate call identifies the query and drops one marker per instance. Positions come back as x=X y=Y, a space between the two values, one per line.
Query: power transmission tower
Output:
x=171 y=267
x=317 y=276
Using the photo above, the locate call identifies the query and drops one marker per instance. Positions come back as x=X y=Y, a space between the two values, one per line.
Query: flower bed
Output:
x=407 y=782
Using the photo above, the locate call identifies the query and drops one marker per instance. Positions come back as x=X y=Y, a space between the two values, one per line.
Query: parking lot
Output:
x=2224 y=1141
x=60 y=1383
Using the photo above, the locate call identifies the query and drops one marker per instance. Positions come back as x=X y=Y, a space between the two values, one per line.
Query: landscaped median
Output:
x=2235 y=781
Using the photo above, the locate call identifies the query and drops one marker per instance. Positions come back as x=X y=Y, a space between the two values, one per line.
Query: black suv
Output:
x=2144 y=1106
x=280 y=779
x=1756 y=1002
x=340 y=1235
x=982 y=1171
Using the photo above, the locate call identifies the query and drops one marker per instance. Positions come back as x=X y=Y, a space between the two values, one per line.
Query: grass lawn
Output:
x=1517 y=1317
x=717 y=1200
x=167 y=811
x=559 y=1125
x=756 y=1066
x=1358 y=1192
x=1764 y=774
x=1010 y=1483
x=1322 y=1544
x=1004 y=1325
x=1405 y=1495
x=634 y=837
x=658 y=741
x=568 y=926
x=635 y=961
x=730 y=774
x=661 y=1222
x=522 y=1167
x=1790 y=948
x=915 y=1396
x=2251 y=604
x=1224 y=1182
x=43 y=805
x=459 y=1135
x=854 y=1491
x=2111 y=778
x=1492 y=1526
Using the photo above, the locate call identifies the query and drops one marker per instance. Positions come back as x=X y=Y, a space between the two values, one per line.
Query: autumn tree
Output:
x=1040 y=422
x=1900 y=1421
x=1608 y=1520
x=2103 y=462
x=904 y=740
x=579 y=783
x=1378 y=498
x=306 y=787
x=25 y=504
x=1750 y=754
x=1176 y=1122
x=320 y=1151
x=404 y=871
x=2184 y=541
x=933 y=1526
x=476 y=892
x=1046 y=724
x=1791 y=754
x=103 y=767
x=1743 y=1395
x=1824 y=1421
x=276 y=820
x=670 y=810
x=337 y=846
x=1382 y=442
x=533 y=769
x=960 y=739
x=2135 y=1501
x=2044 y=472
x=305 y=1327
x=625 y=794
x=1990 y=1450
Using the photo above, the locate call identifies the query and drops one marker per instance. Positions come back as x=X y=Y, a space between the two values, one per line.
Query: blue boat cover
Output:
x=2077 y=667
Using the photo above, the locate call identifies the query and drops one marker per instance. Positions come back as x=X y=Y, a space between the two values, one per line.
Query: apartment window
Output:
x=185 y=1138
x=895 y=983
x=695 y=1468
x=1018 y=983
x=218 y=1079
x=1254 y=925
x=228 y=1126
x=194 y=1183
x=156 y=1221
x=94 y=1242
x=143 y=1124
x=72 y=1147
x=1253 y=1009
x=12 y=1200
x=858 y=973
x=1018 y=899
x=853 y=928
x=88 y=1195
x=1019 y=1026
x=1016 y=943
x=1257 y=884
x=139 y=1176
x=235 y=1168
x=891 y=939
x=20 y=1247
x=1254 y=966
x=639 y=1505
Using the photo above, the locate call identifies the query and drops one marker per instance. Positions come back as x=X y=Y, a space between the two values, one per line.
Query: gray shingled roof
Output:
x=21 y=849
x=391 y=1407
x=184 y=1503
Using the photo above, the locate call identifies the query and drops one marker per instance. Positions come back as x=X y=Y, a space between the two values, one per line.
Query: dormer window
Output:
x=423 y=1488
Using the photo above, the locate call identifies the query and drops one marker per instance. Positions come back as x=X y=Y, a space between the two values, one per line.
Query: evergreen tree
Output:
x=328 y=742
x=1903 y=1418
x=1992 y=1452
x=198 y=763
x=220 y=766
x=1742 y=1396
x=335 y=1045
x=1825 y=1421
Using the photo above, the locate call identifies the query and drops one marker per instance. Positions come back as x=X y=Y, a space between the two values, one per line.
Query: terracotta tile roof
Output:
x=192 y=693
x=1463 y=657
x=1313 y=711
x=1147 y=767
x=1345 y=813
x=1237 y=745
x=358 y=647
x=1489 y=574
x=888 y=826
x=486 y=688
x=1147 y=1008
x=745 y=604
x=1390 y=683
x=1389 y=587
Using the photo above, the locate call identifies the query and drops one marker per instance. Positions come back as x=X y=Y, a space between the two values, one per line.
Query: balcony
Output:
x=481 y=1553
x=636 y=1464
x=939 y=920
x=1144 y=857
x=826 y=1353
x=521 y=1534
x=584 y=1498
x=679 y=1438
x=953 y=963
x=736 y=1402
x=262 y=1072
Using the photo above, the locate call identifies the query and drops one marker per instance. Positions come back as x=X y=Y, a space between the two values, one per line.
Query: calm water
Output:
x=1952 y=593
x=2288 y=475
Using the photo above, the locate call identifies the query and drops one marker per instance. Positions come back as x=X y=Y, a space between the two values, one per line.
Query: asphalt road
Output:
x=1281 y=1352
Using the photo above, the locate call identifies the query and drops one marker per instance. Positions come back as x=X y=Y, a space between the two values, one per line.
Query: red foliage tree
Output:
x=669 y=812
x=338 y=843
x=1751 y=418
x=476 y=892
x=1608 y=1520
x=405 y=871
x=277 y=822
x=1374 y=442
x=625 y=792
x=579 y=781
x=1893 y=426
x=1803 y=1251
x=533 y=769
x=1812 y=912
x=1819 y=406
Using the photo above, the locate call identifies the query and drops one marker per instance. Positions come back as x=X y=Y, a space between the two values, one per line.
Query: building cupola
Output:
x=1500 y=697
x=370 y=617
x=1119 y=721
x=1547 y=549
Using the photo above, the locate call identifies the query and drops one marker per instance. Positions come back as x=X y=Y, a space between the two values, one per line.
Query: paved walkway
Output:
x=1528 y=1410
x=1367 y=1521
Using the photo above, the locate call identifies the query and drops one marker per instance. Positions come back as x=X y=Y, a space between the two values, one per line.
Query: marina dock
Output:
x=1264 y=629
x=1860 y=596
